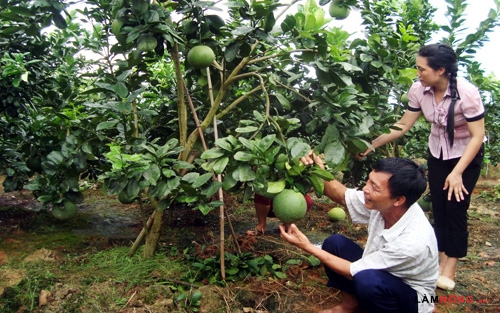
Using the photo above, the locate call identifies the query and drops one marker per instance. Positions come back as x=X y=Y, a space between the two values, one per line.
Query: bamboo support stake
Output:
x=219 y=179
x=204 y=144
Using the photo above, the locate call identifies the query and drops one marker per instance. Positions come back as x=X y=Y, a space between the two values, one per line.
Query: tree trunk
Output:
x=154 y=234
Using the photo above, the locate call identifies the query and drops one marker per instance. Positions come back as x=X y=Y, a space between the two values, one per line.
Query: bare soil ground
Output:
x=102 y=222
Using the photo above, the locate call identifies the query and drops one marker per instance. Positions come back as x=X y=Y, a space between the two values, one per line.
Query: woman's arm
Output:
x=404 y=124
x=454 y=182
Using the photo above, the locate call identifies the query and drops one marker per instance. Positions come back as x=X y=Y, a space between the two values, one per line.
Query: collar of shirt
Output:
x=395 y=231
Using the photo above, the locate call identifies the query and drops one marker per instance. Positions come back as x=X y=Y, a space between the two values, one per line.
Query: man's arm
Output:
x=333 y=189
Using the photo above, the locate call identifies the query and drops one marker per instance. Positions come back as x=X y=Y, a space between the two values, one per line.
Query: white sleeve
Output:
x=355 y=201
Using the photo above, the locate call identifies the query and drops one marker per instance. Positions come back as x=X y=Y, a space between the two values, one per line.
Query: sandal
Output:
x=445 y=283
x=254 y=231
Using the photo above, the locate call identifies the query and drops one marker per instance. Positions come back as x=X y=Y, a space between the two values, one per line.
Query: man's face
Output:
x=376 y=191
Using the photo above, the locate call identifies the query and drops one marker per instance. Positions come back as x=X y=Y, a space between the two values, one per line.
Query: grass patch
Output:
x=88 y=271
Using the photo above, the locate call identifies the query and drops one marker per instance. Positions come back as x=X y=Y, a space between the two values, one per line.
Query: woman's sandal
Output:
x=254 y=231
x=445 y=283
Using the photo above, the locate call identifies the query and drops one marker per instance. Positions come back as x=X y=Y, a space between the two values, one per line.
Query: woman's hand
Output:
x=362 y=155
x=455 y=186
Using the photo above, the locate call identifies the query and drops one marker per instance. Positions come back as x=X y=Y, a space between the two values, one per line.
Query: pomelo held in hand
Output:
x=200 y=56
x=289 y=206
x=336 y=214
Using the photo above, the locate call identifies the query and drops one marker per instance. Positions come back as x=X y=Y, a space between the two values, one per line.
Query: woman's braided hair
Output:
x=442 y=55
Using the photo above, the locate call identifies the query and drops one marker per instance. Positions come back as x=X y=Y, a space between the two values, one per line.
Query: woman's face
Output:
x=427 y=75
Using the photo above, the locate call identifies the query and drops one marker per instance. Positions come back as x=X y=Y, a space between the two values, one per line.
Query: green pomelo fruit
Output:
x=336 y=214
x=124 y=198
x=200 y=56
x=338 y=12
x=280 y=162
x=63 y=211
x=404 y=99
x=289 y=206
x=35 y=164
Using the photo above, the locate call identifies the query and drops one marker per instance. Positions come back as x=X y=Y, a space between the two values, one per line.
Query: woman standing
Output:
x=456 y=150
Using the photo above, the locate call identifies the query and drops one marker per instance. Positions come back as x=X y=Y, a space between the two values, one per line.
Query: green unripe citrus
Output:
x=336 y=214
x=63 y=211
x=289 y=206
x=404 y=99
x=200 y=56
x=337 y=11
x=124 y=198
x=280 y=162
x=35 y=164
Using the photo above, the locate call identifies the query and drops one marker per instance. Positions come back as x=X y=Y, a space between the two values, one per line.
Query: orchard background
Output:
x=99 y=93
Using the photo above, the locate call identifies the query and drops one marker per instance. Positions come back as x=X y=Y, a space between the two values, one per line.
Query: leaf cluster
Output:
x=238 y=267
x=153 y=171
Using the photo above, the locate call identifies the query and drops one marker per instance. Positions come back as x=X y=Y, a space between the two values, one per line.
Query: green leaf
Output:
x=132 y=190
x=152 y=174
x=229 y=182
x=318 y=184
x=280 y=275
x=334 y=154
x=59 y=20
x=190 y=177
x=211 y=189
x=244 y=173
x=196 y=296
x=266 y=142
x=244 y=156
x=283 y=101
x=224 y=143
x=298 y=149
x=314 y=261
x=321 y=173
x=55 y=158
x=220 y=165
x=201 y=180
x=121 y=89
x=212 y=153
x=247 y=129
x=232 y=51
x=215 y=23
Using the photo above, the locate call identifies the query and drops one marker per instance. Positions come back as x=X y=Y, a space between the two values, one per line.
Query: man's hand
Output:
x=294 y=236
x=311 y=158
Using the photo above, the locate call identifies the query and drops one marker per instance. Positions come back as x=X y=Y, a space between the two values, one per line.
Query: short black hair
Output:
x=407 y=178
